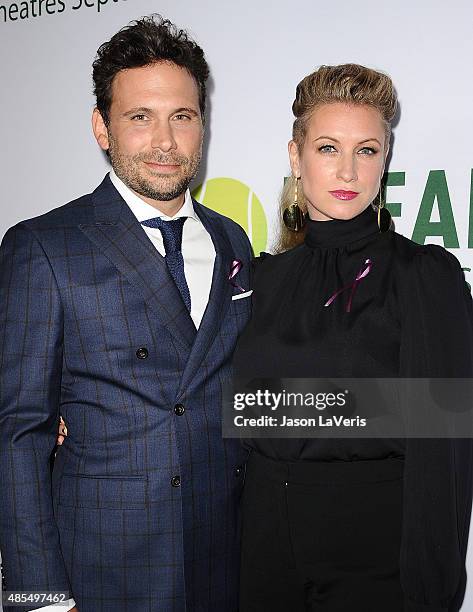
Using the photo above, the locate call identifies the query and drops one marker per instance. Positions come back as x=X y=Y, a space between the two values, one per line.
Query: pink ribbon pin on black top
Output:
x=364 y=271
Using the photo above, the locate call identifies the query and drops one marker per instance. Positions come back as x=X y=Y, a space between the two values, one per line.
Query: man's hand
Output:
x=62 y=433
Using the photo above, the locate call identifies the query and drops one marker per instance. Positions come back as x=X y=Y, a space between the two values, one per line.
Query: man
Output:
x=116 y=312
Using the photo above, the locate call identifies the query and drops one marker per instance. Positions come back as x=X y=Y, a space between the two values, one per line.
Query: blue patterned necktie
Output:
x=172 y=239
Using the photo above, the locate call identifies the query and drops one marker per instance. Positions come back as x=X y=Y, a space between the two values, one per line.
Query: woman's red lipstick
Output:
x=341 y=194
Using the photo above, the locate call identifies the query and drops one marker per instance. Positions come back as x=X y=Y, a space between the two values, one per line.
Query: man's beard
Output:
x=127 y=168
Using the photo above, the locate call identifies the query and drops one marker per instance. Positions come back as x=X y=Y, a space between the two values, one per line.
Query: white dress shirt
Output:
x=198 y=250
x=198 y=253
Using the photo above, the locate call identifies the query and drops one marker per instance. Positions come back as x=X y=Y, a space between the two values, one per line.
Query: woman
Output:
x=372 y=525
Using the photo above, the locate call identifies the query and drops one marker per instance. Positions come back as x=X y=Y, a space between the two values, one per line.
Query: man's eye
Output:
x=182 y=117
x=368 y=151
x=139 y=117
x=327 y=148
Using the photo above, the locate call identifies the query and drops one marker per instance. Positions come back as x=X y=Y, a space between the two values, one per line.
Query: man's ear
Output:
x=100 y=130
x=294 y=158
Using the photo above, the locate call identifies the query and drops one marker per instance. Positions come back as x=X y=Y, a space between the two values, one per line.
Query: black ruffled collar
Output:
x=339 y=233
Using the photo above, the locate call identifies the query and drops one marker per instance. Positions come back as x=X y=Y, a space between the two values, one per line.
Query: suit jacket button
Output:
x=176 y=481
x=142 y=353
x=238 y=471
x=179 y=409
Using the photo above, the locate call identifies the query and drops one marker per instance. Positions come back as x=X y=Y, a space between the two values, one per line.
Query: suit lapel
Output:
x=219 y=297
x=122 y=239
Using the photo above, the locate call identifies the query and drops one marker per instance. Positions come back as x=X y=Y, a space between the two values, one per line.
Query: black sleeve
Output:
x=436 y=342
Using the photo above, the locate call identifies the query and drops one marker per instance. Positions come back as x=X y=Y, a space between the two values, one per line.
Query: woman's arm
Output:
x=437 y=342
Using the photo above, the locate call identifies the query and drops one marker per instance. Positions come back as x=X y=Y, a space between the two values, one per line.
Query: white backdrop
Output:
x=258 y=51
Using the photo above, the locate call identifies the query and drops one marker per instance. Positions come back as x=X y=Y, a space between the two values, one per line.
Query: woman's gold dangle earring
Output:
x=293 y=217
x=384 y=216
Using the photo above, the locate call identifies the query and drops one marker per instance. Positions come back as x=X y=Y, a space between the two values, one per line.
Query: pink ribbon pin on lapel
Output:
x=236 y=266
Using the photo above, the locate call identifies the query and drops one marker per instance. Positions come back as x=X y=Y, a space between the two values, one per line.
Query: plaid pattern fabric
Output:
x=93 y=327
x=171 y=232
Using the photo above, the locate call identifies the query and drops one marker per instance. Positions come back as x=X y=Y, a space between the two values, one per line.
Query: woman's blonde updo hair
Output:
x=346 y=83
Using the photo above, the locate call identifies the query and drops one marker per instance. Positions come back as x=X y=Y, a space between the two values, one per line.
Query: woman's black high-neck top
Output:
x=410 y=316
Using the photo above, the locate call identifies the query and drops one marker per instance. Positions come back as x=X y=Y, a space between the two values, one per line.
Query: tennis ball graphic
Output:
x=236 y=200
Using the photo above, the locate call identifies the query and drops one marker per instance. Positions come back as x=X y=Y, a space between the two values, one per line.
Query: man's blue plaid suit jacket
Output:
x=93 y=327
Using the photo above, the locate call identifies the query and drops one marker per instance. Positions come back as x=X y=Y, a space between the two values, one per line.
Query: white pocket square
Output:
x=239 y=296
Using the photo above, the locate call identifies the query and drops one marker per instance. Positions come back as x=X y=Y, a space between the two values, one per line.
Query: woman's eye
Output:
x=368 y=151
x=327 y=148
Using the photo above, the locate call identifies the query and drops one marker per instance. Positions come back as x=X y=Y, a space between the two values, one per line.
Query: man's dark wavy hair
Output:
x=143 y=42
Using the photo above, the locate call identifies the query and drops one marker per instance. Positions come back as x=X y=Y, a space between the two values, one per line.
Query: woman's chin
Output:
x=343 y=211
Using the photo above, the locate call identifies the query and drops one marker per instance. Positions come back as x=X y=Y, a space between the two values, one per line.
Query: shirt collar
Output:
x=143 y=211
